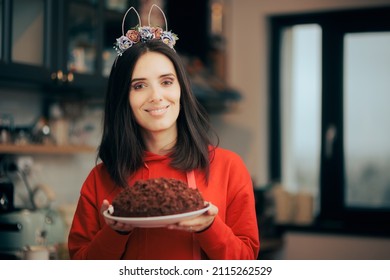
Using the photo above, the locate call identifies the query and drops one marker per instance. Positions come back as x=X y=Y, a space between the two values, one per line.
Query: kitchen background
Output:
x=54 y=60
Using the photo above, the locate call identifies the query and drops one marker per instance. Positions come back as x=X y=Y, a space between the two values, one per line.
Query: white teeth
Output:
x=157 y=111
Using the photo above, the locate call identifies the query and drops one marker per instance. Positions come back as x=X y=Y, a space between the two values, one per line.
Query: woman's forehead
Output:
x=153 y=64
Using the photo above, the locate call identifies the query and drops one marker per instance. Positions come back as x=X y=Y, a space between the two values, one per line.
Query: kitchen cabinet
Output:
x=65 y=48
x=23 y=44
x=59 y=45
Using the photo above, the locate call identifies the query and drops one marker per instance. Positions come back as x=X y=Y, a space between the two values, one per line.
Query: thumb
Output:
x=213 y=211
x=104 y=206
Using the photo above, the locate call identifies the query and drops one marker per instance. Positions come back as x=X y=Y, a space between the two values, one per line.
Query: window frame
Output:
x=335 y=24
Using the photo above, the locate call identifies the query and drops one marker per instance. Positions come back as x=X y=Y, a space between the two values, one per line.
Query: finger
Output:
x=188 y=228
x=110 y=222
x=104 y=206
x=122 y=226
x=213 y=211
x=195 y=224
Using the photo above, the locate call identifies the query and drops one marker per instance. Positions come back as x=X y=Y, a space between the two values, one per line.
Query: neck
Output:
x=159 y=143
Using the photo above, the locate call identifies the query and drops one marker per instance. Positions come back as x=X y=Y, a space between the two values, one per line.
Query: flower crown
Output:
x=144 y=33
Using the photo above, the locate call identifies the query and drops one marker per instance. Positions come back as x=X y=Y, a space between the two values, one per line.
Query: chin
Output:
x=159 y=128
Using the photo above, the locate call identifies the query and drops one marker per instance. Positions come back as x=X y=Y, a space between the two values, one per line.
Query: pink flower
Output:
x=133 y=35
x=157 y=31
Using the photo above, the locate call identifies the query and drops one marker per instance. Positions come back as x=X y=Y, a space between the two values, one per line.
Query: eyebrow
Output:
x=161 y=76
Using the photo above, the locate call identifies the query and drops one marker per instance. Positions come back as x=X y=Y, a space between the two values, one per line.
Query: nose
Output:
x=155 y=94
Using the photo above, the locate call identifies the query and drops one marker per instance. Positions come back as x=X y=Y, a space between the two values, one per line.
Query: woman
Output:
x=154 y=127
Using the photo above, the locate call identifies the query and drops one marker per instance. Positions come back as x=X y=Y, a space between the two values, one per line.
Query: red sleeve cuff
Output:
x=108 y=244
x=213 y=236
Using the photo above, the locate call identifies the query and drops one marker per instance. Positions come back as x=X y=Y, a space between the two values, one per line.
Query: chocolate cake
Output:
x=157 y=197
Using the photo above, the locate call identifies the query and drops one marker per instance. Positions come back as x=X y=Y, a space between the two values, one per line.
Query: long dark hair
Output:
x=122 y=147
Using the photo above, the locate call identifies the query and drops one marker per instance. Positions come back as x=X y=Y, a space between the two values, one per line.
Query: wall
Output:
x=306 y=246
x=246 y=130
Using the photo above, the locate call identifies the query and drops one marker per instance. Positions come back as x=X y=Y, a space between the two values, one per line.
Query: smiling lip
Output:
x=157 y=111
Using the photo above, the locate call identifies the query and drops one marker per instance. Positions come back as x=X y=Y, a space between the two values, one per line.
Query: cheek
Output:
x=134 y=101
x=176 y=95
x=134 y=104
x=177 y=102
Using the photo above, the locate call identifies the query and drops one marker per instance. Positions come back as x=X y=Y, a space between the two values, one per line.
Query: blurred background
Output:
x=299 y=89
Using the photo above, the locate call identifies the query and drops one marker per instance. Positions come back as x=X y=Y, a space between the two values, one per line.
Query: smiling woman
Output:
x=154 y=127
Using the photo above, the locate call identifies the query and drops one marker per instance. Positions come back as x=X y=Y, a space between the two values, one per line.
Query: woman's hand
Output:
x=117 y=226
x=199 y=223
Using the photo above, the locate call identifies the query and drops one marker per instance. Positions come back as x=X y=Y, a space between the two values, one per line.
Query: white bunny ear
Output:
x=143 y=34
x=110 y=209
x=124 y=18
x=165 y=19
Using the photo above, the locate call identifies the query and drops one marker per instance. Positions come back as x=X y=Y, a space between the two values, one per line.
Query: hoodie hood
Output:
x=154 y=160
x=151 y=159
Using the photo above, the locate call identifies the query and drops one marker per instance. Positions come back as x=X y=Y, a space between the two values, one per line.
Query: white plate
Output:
x=160 y=221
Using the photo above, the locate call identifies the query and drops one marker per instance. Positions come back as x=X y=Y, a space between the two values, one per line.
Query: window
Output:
x=300 y=97
x=329 y=125
x=366 y=127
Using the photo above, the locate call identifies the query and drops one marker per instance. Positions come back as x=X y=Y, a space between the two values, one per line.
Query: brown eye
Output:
x=167 y=82
x=138 y=86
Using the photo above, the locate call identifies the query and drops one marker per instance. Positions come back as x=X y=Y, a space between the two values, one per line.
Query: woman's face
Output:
x=155 y=93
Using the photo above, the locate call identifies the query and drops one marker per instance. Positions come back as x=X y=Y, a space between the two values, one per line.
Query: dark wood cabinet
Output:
x=25 y=36
x=62 y=46
x=65 y=47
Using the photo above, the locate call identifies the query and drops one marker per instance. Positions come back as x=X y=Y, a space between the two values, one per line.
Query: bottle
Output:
x=6 y=128
x=59 y=125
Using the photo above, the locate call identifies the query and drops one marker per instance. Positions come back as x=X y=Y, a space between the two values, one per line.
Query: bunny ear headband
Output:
x=141 y=33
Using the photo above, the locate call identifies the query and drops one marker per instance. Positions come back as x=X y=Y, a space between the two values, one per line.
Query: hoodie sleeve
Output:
x=89 y=236
x=234 y=233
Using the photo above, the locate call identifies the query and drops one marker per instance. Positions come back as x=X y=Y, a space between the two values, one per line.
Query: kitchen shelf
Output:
x=45 y=149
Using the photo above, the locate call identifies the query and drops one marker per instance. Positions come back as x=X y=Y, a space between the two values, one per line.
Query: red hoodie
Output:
x=233 y=234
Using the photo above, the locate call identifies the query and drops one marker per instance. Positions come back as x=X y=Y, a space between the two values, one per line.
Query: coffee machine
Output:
x=6 y=195
x=25 y=227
